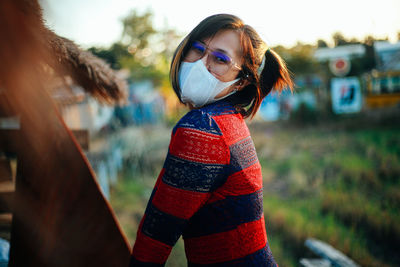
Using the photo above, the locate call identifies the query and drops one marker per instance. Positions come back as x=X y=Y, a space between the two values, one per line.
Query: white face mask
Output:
x=198 y=85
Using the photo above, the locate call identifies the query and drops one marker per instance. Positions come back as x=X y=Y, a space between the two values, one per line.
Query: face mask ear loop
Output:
x=229 y=94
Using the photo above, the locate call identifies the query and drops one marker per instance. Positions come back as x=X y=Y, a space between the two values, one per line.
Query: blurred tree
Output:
x=137 y=32
x=143 y=49
x=321 y=43
x=354 y=41
x=299 y=58
x=112 y=55
x=369 y=40
x=150 y=49
x=339 y=39
x=367 y=62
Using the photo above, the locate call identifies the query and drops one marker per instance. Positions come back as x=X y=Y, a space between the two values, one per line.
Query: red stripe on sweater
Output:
x=178 y=202
x=233 y=127
x=244 y=182
x=198 y=146
x=147 y=249
x=246 y=239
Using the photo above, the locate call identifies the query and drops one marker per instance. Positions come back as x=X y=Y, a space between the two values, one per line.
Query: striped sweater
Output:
x=210 y=192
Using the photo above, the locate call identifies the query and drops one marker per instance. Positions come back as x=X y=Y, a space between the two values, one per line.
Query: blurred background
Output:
x=329 y=152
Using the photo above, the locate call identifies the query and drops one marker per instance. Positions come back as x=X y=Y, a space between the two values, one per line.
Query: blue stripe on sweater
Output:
x=219 y=108
x=201 y=119
x=260 y=258
x=136 y=263
x=243 y=155
x=162 y=226
x=192 y=176
x=225 y=215
x=198 y=120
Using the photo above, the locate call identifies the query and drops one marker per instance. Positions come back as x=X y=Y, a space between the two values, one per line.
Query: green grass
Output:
x=338 y=186
x=128 y=199
x=292 y=221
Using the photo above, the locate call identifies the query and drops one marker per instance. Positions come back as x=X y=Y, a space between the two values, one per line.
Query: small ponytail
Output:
x=274 y=75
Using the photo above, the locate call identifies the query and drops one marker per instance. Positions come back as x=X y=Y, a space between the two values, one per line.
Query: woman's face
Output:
x=225 y=42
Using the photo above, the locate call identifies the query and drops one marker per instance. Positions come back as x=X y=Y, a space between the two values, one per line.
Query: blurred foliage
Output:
x=303 y=115
x=335 y=181
x=144 y=50
x=137 y=32
x=299 y=58
x=321 y=43
x=112 y=55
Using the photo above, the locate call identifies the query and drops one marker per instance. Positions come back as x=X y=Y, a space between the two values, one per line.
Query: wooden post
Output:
x=59 y=216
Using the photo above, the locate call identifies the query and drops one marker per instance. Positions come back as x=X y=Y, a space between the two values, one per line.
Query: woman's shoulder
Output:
x=203 y=118
x=222 y=107
x=198 y=119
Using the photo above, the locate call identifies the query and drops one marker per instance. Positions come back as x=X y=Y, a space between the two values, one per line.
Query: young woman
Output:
x=210 y=188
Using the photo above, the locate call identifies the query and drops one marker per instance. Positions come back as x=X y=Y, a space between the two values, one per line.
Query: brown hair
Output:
x=274 y=75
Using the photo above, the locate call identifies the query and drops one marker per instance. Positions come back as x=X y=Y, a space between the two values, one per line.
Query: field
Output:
x=337 y=181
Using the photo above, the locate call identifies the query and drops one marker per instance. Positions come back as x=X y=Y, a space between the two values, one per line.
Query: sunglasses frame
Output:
x=213 y=52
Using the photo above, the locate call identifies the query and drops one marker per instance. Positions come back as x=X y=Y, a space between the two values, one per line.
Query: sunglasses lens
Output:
x=196 y=51
x=218 y=62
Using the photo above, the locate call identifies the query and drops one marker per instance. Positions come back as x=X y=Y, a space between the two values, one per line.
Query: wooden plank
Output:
x=70 y=222
x=329 y=253
x=5 y=107
x=5 y=170
x=5 y=222
x=6 y=199
x=60 y=218
x=7 y=186
x=9 y=141
x=382 y=100
x=9 y=123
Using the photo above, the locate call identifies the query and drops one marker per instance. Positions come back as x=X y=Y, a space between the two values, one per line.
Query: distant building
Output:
x=387 y=55
x=81 y=111
x=344 y=51
x=383 y=84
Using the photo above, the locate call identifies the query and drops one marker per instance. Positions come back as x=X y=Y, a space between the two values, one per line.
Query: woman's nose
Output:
x=205 y=61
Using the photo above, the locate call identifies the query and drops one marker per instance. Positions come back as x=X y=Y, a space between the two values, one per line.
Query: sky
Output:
x=280 y=22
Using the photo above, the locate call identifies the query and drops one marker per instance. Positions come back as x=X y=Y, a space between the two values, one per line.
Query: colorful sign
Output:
x=346 y=95
x=340 y=66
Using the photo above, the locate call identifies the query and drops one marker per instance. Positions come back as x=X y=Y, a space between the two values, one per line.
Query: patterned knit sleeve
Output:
x=194 y=167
